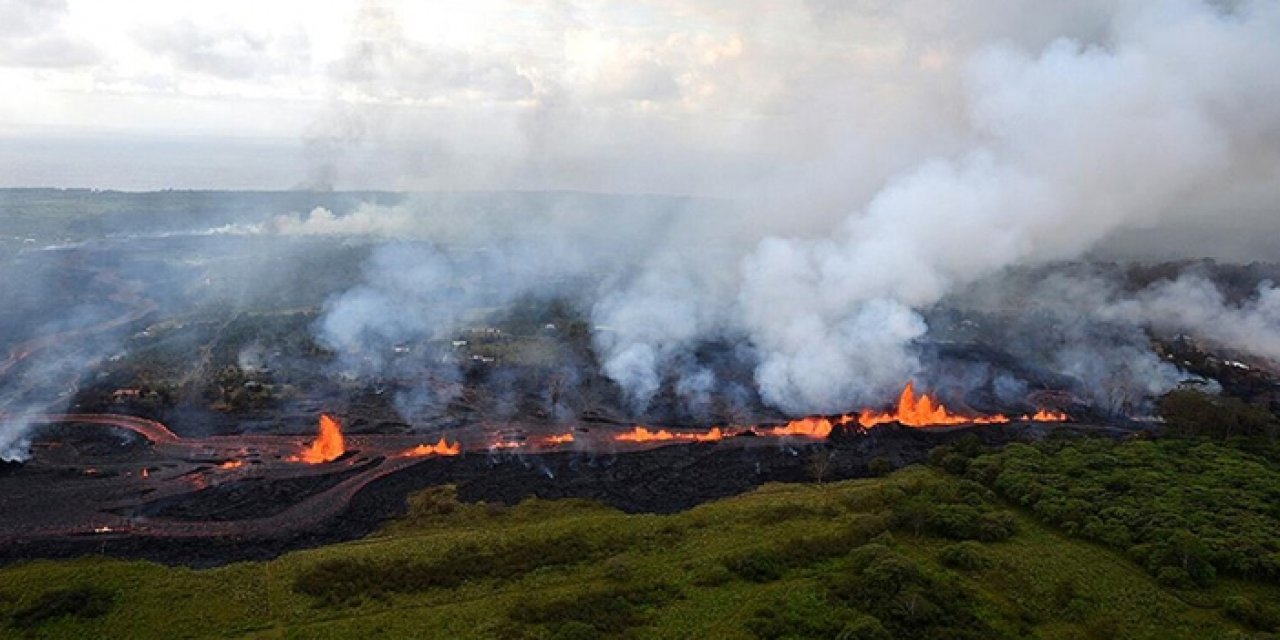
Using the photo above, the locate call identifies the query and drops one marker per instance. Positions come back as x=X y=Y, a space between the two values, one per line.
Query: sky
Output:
x=660 y=96
x=821 y=102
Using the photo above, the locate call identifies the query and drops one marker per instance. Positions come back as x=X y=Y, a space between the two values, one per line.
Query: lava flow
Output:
x=555 y=439
x=925 y=411
x=329 y=445
x=642 y=434
x=441 y=448
x=922 y=412
x=1045 y=415
x=810 y=427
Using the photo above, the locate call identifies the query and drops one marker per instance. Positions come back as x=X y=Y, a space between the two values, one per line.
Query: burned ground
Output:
x=665 y=479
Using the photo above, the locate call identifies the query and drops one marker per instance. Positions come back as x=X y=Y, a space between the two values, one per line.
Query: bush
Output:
x=1186 y=510
x=966 y=556
x=769 y=563
x=1175 y=577
x=575 y=630
x=760 y=565
x=602 y=611
x=879 y=466
x=711 y=576
x=1252 y=614
x=806 y=614
x=864 y=627
x=85 y=603
x=1192 y=413
x=994 y=526
x=344 y=581
x=907 y=599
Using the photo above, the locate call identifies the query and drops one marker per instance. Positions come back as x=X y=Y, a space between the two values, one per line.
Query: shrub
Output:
x=804 y=614
x=1190 y=412
x=711 y=576
x=1185 y=509
x=955 y=521
x=575 y=630
x=966 y=556
x=879 y=466
x=348 y=580
x=994 y=526
x=84 y=602
x=760 y=565
x=1252 y=614
x=1176 y=577
x=609 y=610
x=907 y=599
x=864 y=627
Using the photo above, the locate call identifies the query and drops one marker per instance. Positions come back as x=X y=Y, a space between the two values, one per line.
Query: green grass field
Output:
x=831 y=560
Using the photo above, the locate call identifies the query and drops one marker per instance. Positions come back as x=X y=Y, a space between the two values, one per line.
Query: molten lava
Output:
x=329 y=445
x=231 y=464
x=563 y=438
x=441 y=448
x=810 y=427
x=643 y=434
x=922 y=412
x=926 y=411
x=1046 y=415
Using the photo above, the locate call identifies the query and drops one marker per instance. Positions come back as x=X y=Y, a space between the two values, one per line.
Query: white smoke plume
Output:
x=1194 y=305
x=366 y=220
x=1069 y=144
x=1017 y=140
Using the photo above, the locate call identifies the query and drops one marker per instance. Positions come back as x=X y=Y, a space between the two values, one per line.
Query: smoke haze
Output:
x=1024 y=146
x=839 y=175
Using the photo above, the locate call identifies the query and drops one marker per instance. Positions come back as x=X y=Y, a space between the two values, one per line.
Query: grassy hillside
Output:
x=920 y=553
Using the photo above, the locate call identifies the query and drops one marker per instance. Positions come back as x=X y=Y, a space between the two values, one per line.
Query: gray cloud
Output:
x=383 y=62
x=31 y=35
x=28 y=17
x=47 y=52
x=227 y=51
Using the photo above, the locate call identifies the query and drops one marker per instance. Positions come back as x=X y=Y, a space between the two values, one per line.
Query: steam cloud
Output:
x=903 y=180
x=1167 y=111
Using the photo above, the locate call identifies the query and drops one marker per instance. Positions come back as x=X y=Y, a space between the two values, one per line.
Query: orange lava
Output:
x=643 y=434
x=810 y=427
x=329 y=445
x=563 y=438
x=922 y=412
x=1046 y=415
x=441 y=448
x=231 y=464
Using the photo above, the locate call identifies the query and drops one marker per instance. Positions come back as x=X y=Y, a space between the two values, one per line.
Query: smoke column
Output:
x=1037 y=135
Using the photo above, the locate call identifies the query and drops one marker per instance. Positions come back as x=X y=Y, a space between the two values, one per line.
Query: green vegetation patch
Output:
x=901 y=556
x=82 y=602
x=350 y=580
x=1185 y=509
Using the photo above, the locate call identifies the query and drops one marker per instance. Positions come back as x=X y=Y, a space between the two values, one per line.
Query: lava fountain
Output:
x=328 y=445
x=923 y=411
x=441 y=448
